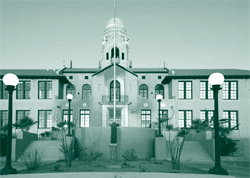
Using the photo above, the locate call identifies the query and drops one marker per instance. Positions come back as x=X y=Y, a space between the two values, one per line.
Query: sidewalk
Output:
x=113 y=175
x=232 y=169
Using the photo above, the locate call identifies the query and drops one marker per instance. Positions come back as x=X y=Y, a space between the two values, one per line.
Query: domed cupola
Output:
x=121 y=46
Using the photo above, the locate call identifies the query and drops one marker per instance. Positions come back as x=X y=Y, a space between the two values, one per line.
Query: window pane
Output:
x=41 y=118
x=233 y=90
x=181 y=119
x=181 y=94
x=20 y=90
x=41 y=91
x=188 y=95
x=225 y=90
x=66 y=114
x=225 y=116
x=233 y=118
x=159 y=89
x=27 y=90
x=188 y=118
x=145 y=118
x=49 y=119
x=181 y=90
x=84 y=118
x=202 y=115
x=49 y=90
x=3 y=117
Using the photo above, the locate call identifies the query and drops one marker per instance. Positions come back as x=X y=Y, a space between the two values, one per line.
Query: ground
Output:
x=101 y=166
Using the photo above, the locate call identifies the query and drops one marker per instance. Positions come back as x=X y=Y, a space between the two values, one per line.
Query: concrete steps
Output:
x=49 y=149
x=193 y=151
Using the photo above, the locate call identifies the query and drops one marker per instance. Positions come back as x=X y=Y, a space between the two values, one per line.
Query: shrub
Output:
x=142 y=169
x=92 y=156
x=77 y=148
x=3 y=143
x=227 y=145
x=57 y=167
x=25 y=124
x=148 y=157
x=45 y=134
x=130 y=155
x=32 y=160
x=67 y=150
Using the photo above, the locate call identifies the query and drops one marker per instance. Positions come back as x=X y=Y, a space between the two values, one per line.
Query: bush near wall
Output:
x=3 y=143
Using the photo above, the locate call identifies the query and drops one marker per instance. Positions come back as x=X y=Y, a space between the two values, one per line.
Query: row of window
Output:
x=24 y=87
x=230 y=90
x=45 y=117
x=186 y=117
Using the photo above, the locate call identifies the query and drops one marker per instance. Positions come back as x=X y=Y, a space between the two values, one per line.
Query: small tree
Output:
x=66 y=148
x=227 y=145
x=25 y=124
x=175 y=147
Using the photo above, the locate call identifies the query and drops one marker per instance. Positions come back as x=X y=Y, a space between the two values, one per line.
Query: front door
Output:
x=118 y=117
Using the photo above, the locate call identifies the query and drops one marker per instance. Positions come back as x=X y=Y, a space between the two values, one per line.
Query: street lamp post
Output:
x=159 y=98
x=69 y=98
x=10 y=80
x=216 y=79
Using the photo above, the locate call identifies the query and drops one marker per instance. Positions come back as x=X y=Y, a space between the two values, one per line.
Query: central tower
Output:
x=121 y=46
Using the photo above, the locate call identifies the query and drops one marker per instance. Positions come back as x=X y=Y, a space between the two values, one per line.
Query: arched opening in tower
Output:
x=116 y=52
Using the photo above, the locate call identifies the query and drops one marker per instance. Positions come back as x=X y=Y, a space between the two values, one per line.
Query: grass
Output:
x=101 y=166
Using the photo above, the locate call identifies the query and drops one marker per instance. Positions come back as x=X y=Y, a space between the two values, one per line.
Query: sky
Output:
x=189 y=34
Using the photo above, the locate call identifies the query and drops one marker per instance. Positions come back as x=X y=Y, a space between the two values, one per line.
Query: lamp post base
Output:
x=159 y=135
x=218 y=170
x=8 y=170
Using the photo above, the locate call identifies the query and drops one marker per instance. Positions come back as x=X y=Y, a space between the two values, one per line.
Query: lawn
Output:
x=101 y=166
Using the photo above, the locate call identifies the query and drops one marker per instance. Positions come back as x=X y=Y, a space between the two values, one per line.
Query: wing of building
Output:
x=41 y=94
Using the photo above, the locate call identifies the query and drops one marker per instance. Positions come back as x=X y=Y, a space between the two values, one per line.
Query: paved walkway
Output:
x=232 y=168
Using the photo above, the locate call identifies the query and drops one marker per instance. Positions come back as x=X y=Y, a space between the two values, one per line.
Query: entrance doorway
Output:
x=118 y=117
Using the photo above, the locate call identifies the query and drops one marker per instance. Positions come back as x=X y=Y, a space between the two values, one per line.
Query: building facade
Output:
x=41 y=94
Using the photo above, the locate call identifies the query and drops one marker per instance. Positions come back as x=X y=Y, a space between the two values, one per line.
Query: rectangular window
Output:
x=205 y=90
x=232 y=119
x=207 y=115
x=185 y=118
x=3 y=117
x=44 y=118
x=159 y=77
x=23 y=90
x=185 y=90
x=107 y=56
x=230 y=90
x=45 y=90
x=145 y=118
x=66 y=115
x=71 y=77
x=143 y=77
x=86 y=77
x=122 y=56
x=3 y=93
x=84 y=118
x=20 y=114
x=163 y=114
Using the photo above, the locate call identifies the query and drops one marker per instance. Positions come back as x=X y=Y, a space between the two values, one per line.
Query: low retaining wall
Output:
x=21 y=143
x=98 y=139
